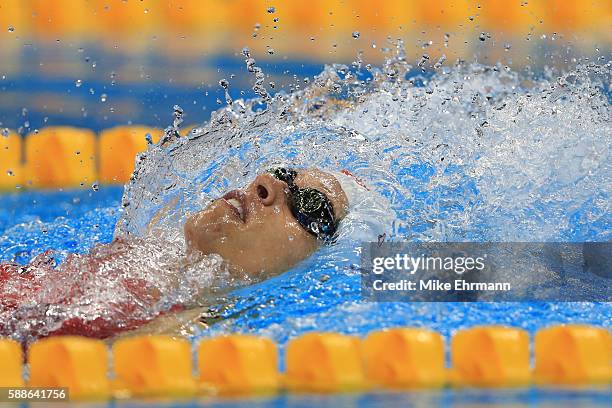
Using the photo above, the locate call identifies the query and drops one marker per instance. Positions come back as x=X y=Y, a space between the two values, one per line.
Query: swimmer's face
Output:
x=254 y=229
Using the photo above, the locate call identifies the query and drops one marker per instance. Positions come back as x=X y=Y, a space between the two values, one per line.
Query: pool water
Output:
x=68 y=221
x=444 y=157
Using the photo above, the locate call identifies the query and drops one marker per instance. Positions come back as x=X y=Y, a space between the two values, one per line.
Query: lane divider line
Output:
x=70 y=157
x=320 y=362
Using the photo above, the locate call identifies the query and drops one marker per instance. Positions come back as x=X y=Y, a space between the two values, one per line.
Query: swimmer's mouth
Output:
x=236 y=200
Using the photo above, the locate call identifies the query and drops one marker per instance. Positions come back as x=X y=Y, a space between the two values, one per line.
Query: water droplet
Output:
x=440 y=61
x=507 y=46
x=146 y=11
x=271 y=10
x=178 y=117
x=11 y=29
x=5 y=132
x=423 y=61
x=356 y=34
x=103 y=97
x=276 y=19
x=78 y=83
x=482 y=37
x=149 y=139
x=271 y=51
x=95 y=187
x=10 y=173
x=225 y=85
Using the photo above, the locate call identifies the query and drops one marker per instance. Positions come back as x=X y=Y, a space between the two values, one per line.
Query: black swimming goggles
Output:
x=310 y=207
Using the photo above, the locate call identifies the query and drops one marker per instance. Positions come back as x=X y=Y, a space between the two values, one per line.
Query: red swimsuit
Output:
x=22 y=312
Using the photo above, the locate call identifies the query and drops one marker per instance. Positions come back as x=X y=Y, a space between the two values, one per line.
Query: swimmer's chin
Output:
x=236 y=271
x=213 y=223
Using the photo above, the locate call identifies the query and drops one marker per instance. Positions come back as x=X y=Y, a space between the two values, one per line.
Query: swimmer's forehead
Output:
x=328 y=185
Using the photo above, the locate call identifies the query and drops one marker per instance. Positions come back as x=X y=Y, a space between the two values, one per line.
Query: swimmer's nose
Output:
x=267 y=188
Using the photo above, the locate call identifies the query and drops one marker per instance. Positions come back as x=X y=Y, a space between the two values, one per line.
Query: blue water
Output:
x=66 y=221
x=313 y=296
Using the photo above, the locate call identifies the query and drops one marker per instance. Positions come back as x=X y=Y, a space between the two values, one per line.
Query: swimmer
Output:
x=278 y=220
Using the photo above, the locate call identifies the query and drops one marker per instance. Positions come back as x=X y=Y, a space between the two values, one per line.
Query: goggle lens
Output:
x=312 y=209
